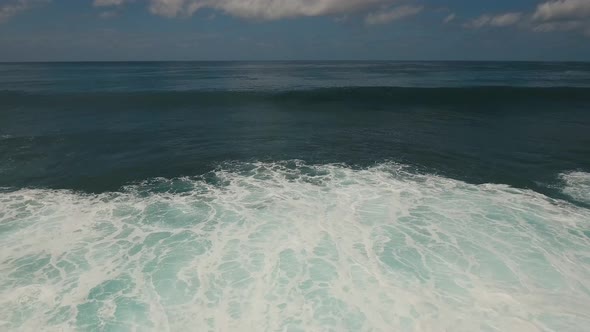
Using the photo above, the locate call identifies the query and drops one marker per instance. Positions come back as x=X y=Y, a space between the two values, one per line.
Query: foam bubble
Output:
x=289 y=246
x=577 y=186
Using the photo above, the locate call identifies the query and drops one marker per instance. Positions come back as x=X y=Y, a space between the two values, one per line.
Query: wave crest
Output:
x=577 y=186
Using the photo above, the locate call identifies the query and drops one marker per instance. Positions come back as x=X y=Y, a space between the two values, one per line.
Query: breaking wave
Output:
x=577 y=186
x=295 y=247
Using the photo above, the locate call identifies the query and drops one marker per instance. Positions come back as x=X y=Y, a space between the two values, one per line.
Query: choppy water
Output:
x=289 y=207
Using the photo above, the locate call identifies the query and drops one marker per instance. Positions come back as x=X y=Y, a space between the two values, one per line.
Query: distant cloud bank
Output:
x=502 y=20
x=553 y=15
x=386 y=16
x=377 y=11
x=550 y=15
x=257 y=9
x=9 y=8
x=562 y=15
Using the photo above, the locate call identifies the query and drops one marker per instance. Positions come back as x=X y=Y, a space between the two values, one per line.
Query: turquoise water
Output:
x=291 y=207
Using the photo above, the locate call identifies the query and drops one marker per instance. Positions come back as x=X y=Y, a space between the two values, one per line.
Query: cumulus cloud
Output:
x=264 y=9
x=10 y=8
x=505 y=19
x=257 y=9
x=103 y=3
x=386 y=16
x=560 y=26
x=562 y=10
x=562 y=15
x=451 y=17
x=552 y=15
x=502 y=20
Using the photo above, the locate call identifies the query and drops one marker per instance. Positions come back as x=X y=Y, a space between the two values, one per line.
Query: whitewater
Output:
x=292 y=246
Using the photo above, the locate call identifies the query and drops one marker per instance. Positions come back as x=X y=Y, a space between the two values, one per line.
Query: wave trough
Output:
x=295 y=247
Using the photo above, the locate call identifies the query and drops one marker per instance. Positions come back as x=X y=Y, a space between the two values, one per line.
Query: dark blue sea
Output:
x=295 y=196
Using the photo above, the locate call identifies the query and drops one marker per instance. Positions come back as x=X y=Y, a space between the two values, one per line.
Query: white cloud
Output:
x=549 y=16
x=102 y=3
x=12 y=7
x=582 y=26
x=505 y=19
x=390 y=15
x=502 y=20
x=559 y=26
x=257 y=9
x=451 y=17
x=562 y=10
x=562 y=15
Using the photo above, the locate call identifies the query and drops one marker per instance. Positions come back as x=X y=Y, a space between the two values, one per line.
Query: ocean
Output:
x=295 y=196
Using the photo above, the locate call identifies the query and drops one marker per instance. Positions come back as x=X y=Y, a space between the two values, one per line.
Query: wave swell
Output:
x=348 y=95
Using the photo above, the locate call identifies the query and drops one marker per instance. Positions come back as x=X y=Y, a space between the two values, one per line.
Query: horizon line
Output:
x=299 y=60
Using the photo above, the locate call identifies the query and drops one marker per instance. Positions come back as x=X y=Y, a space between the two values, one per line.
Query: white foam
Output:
x=577 y=186
x=289 y=246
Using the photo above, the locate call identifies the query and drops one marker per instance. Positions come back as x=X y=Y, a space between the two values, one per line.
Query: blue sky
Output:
x=66 y=30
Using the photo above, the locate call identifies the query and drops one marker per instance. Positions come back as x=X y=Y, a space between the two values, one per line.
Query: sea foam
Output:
x=577 y=186
x=294 y=247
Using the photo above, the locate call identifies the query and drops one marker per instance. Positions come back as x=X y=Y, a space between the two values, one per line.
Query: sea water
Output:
x=288 y=197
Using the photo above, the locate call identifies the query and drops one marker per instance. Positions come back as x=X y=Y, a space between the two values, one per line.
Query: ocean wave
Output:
x=292 y=246
x=348 y=95
x=577 y=186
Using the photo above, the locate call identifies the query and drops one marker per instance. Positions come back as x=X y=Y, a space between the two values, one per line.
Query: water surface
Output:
x=295 y=196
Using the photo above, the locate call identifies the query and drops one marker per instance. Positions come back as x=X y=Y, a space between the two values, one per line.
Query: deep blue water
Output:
x=295 y=195
x=99 y=126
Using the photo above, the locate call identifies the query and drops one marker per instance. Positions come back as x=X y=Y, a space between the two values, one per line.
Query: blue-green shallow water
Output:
x=298 y=196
